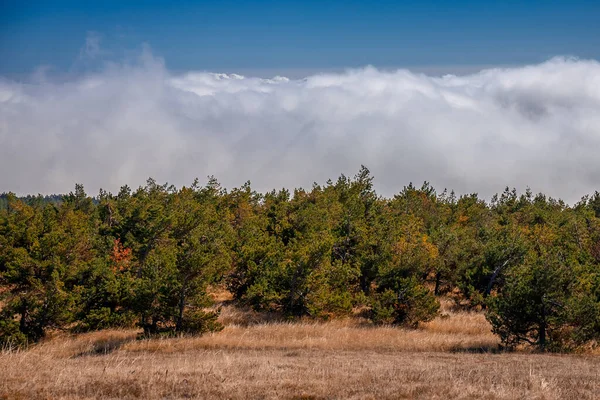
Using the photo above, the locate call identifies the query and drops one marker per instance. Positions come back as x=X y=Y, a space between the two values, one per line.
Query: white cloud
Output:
x=536 y=126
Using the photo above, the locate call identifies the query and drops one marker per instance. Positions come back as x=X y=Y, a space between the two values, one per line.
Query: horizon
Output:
x=436 y=191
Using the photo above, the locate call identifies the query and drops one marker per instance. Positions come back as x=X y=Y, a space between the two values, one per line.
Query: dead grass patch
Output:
x=271 y=359
x=276 y=374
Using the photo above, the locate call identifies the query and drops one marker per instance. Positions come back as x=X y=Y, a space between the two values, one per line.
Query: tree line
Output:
x=145 y=258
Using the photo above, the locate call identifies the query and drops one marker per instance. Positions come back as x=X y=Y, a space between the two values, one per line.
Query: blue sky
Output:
x=300 y=35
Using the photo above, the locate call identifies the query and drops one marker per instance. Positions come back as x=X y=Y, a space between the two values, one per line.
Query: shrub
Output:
x=10 y=334
x=410 y=304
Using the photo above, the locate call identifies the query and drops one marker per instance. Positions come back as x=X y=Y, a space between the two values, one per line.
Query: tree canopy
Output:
x=146 y=258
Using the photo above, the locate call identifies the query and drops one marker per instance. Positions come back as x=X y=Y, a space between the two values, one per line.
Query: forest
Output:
x=146 y=258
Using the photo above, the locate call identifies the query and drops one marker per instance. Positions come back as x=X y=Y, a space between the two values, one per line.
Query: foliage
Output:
x=408 y=305
x=146 y=257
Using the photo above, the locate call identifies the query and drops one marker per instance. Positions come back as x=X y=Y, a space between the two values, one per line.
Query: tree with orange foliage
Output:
x=120 y=257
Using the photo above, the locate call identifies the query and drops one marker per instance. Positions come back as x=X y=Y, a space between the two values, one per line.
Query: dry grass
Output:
x=461 y=332
x=253 y=358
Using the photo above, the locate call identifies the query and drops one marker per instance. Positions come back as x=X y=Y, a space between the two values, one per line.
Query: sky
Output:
x=301 y=35
x=470 y=96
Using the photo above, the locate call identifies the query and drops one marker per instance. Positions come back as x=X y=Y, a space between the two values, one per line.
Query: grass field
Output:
x=452 y=357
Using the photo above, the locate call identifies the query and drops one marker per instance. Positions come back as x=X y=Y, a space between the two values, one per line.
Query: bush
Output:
x=410 y=304
x=198 y=322
x=104 y=318
x=10 y=335
x=194 y=322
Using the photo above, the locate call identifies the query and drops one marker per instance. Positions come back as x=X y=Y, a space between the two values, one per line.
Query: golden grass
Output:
x=260 y=357
x=460 y=333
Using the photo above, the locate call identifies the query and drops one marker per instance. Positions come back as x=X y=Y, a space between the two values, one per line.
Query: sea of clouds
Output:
x=536 y=126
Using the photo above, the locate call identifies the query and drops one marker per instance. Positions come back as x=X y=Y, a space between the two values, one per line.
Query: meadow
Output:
x=455 y=356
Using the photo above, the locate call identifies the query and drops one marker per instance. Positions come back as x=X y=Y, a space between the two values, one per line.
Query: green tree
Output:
x=43 y=251
x=531 y=305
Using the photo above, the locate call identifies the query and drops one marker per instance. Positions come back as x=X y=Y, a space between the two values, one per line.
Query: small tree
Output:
x=401 y=296
x=531 y=306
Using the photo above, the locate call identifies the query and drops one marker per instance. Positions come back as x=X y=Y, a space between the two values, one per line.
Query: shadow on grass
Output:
x=104 y=346
x=245 y=316
x=487 y=349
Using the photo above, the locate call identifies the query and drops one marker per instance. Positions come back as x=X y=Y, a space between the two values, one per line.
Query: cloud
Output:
x=92 y=48
x=536 y=126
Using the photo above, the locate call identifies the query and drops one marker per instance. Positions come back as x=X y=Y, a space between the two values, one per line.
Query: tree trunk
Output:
x=542 y=329
x=364 y=284
x=179 y=323
x=154 y=326
x=23 y=321
x=144 y=324
x=542 y=338
x=494 y=276
x=438 y=278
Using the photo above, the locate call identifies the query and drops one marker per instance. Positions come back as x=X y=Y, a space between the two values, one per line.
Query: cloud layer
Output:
x=536 y=126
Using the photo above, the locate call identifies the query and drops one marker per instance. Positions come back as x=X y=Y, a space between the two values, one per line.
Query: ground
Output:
x=453 y=357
